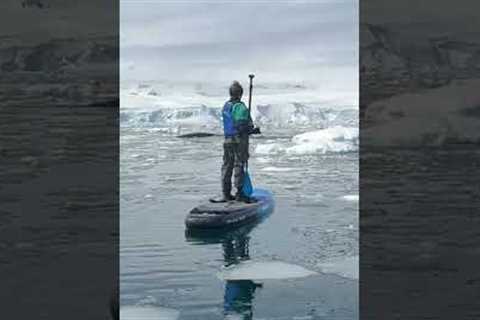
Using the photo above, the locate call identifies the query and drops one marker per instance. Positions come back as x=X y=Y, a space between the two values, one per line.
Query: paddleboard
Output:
x=215 y=215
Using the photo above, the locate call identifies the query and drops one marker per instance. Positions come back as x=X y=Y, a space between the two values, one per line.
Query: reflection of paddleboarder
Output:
x=235 y=249
x=238 y=293
x=238 y=299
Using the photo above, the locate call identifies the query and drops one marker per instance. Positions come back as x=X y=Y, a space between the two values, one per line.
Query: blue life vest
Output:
x=228 y=125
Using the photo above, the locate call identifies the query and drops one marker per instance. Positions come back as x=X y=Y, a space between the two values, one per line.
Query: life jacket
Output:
x=228 y=123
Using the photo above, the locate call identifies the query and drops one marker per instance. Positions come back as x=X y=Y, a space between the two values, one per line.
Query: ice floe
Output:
x=263 y=270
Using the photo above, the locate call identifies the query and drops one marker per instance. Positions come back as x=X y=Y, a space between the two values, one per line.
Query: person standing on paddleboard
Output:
x=237 y=126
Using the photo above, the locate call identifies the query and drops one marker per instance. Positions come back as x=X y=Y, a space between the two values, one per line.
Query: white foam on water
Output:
x=232 y=316
x=257 y=270
x=346 y=267
x=351 y=197
x=276 y=169
x=262 y=160
x=148 y=313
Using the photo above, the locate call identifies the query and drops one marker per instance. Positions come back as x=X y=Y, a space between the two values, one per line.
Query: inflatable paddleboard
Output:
x=217 y=215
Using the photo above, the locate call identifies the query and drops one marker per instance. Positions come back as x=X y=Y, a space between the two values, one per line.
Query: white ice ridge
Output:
x=185 y=94
x=264 y=270
x=161 y=105
x=433 y=117
x=148 y=313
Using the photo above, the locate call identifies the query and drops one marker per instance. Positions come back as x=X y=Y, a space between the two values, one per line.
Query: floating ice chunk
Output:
x=346 y=267
x=148 y=313
x=334 y=139
x=253 y=270
x=329 y=140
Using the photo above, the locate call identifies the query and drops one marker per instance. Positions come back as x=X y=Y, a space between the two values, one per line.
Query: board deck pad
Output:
x=224 y=207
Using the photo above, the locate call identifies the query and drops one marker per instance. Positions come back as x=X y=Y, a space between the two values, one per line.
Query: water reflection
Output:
x=239 y=294
x=235 y=249
x=238 y=299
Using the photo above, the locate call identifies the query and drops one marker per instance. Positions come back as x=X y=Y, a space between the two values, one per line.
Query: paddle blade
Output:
x=247 y=185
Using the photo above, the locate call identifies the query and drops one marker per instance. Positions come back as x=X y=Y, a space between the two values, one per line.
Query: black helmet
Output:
x=236 y=90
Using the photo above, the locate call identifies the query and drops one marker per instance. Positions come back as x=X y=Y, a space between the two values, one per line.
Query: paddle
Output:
x=247 y=182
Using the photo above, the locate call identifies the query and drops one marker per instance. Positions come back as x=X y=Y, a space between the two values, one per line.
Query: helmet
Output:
x=236 y=90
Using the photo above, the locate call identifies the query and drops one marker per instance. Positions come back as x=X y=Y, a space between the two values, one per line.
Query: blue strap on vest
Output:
x=228 y=125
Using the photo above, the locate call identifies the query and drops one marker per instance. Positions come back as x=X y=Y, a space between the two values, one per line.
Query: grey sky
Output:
x=296 y=41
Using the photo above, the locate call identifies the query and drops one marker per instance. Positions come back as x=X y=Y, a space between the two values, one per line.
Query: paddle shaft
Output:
x=250 y=104
x=250 y=93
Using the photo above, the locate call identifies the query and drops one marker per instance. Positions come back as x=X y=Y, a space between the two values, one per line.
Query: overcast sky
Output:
x=294 y=41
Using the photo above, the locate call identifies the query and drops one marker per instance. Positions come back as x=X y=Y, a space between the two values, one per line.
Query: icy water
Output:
x=314 y=226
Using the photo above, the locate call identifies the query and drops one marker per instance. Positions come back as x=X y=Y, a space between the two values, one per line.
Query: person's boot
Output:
x=228 y=197
x=239 y=196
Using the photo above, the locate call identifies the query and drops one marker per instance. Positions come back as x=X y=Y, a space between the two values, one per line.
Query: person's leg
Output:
x=227 y=169
x=241 y=157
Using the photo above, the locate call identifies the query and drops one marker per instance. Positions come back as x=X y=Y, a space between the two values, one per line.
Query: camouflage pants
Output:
x=235 y=155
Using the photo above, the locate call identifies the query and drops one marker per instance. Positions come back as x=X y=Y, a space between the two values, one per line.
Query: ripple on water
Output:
x=148 y=313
